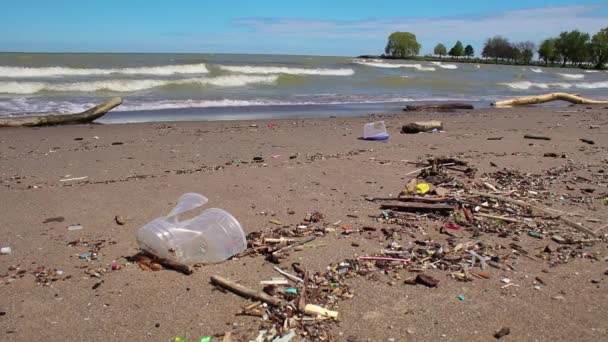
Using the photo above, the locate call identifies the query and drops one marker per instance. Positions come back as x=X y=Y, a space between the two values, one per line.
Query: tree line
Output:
x=572 y=48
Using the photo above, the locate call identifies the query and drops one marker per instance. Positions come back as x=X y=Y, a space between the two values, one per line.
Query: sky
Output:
x=311 y=27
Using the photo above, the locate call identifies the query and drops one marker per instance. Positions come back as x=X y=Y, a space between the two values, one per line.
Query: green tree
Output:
x=572 y=46
x=526 y=52
x=599 y=48
x=457 y=50
x=468 y=51
x=440 y=50
x=546 y=51
x=497 y=47
x=402 y=44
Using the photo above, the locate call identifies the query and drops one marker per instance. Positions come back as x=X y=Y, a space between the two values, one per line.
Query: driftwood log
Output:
x=438 y=106
x=421 y=126
x=536 y=99
x=62 y=119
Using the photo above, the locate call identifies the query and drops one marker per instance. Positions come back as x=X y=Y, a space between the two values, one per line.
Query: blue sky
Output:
x=327 y=27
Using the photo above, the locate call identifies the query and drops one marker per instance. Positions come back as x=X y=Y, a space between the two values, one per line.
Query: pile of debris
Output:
x=505 y=204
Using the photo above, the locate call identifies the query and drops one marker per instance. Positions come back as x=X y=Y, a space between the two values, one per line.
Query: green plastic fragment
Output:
x=206 y=339
x=535 y=234
x=458 y=217
x=461 y=298
x=180 y=339
x=292 y=290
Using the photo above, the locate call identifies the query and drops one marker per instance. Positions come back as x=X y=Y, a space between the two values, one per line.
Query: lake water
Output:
x=231 y=87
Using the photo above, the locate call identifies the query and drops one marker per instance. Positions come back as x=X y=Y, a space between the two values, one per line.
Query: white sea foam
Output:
x=524 y=85
x=445 y=66
x=252 y=69
x=25 y=104
x=163 y=70
x=536 y=70
x=591 y=71
x=14 y=87
x=395 y=65
x=572 y=76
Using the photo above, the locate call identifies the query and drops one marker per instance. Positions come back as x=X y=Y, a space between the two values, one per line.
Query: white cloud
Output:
x=517 y=25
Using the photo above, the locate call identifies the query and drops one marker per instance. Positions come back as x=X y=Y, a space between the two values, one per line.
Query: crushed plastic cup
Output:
x=423 y=188
x=5 y=250
x=211 y=237
x=375 y=131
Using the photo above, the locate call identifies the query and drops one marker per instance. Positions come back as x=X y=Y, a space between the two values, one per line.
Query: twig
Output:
x=244 y=291
x=73 y=179
x=302 y=300
x=290 y=276
x=374 y=258
x=602 y=227
x=413 y=199
x=567 y=221
x=294 y=245
x=537 y=137
x=480 y=258
x=502 y=218
x=428 y=167
x=417 y=205
x=183 y=268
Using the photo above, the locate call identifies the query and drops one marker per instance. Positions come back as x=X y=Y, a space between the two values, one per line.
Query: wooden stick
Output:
x=438 y=106
x=537 y=137
x=417 y=205
x=290 y=276
x=375 y=258
x=302 y=300
x=427 y=167
x=413 y=199
x=527 y=100
x=502 y=218
x=63 y=119
x=294 y=245
x=601 y=228
x=520 y=203
x=279 y=240
x=244 y=291
x=183 y=268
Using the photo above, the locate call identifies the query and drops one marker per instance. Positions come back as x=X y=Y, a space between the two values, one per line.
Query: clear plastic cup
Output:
x=375 y=131
x=211 y=237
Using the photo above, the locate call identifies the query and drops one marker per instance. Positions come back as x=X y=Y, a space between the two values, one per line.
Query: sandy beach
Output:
x=137 y=171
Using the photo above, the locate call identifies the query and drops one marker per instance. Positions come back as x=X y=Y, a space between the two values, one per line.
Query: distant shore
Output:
x=475 y=60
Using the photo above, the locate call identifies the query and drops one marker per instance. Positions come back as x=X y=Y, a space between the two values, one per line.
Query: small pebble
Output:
x=502 y=333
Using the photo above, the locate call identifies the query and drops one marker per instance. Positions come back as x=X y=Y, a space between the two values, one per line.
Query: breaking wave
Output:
x=536 y=70
x=524 y=85
x=14 y=87
x=250 y=69
x=445 y=66
x=395 y=65
x=27 y=105
x=572 y=76
x=163 y=70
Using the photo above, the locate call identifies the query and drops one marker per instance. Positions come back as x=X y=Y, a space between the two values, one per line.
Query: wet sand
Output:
x=138 y=171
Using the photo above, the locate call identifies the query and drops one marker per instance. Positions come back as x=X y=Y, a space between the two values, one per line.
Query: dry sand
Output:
x=141 y=178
